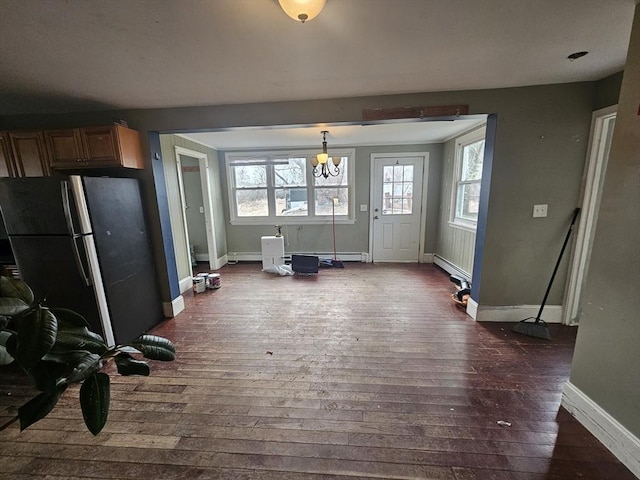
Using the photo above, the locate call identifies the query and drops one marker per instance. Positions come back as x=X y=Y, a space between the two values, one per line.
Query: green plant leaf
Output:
x=45 y=375
x=80 y=340
x=88 y=365
x=36 y=335
x=68 y=319
x=12 y=307
x=127 y=365
x=94 y=400
x=155 y=348
x=39 y=407
x=12 y=287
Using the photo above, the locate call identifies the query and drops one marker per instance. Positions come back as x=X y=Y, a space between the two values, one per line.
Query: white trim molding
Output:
x=173 y=308
x=185 y=284
x=427 y=257
x=611 y=433
x=472 y=308
x=257 y=257
x=515 y=313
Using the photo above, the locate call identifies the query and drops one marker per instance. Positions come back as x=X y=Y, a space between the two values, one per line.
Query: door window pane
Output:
x=397 y=190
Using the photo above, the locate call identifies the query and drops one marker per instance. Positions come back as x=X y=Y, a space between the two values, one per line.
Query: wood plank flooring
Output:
x=369 y=371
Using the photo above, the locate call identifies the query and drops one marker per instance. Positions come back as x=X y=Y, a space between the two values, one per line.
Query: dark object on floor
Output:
x=464 y=290
x=538 y=328
x=304 y=263
x=331 y=262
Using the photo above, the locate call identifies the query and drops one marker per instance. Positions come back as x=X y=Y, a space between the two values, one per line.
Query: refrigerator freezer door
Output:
x=38 y=206
x=49 y=265
x=124 y=254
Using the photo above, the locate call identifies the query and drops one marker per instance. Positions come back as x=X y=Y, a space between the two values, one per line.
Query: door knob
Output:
x=376 y=217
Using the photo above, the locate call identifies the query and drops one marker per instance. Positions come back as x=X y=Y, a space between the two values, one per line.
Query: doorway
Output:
x=397 y=223
x=196 y=208
x=602 y=125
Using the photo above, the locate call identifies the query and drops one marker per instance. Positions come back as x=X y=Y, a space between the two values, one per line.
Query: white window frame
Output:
x=272 y=218
x=461 y=142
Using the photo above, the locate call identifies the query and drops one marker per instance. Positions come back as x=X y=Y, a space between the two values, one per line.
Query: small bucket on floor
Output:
x=213 y=281
x=198 y=285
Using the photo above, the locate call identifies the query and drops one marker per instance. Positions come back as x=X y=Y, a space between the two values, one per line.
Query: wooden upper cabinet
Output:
x=91 y=147
x=29 y=154
x=7 y=167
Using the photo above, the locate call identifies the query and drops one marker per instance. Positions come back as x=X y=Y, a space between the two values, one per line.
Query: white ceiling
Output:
x=83 y=55
x=393 y=133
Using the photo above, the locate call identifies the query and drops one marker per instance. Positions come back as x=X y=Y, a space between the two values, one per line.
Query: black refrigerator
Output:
x=82 y=243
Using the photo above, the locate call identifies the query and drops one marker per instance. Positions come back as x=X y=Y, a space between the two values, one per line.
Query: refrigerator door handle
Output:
x=76 y=253
x=66 y=206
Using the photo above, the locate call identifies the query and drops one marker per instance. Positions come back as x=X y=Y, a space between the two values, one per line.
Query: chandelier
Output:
x=322 y=160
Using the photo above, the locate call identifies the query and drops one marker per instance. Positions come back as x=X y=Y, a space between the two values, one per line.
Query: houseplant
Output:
x=55 y=348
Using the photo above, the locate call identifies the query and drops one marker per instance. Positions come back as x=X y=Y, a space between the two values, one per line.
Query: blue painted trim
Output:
x=163 y=210
x=485 y=188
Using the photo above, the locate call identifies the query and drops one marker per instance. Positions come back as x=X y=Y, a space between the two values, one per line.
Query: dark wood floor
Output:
x=363 y=372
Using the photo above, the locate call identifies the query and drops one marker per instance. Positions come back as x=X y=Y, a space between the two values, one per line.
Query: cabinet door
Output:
x=7 y=169
x=100 y=146
x=65 y=147
x=29 y=154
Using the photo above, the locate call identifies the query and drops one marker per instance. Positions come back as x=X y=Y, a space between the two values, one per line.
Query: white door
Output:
x=397 y=207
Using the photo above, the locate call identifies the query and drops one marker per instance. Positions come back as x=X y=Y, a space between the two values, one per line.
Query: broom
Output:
x=335 y=262
x=538 y=328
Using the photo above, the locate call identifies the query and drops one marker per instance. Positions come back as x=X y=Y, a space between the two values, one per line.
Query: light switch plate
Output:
x=540 y=210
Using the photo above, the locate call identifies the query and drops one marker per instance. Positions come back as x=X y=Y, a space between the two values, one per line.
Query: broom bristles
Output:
x=537 y=329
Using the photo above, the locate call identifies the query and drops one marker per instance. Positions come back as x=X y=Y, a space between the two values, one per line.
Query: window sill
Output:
x=467 y=227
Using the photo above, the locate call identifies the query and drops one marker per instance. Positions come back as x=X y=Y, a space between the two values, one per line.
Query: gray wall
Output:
x=193 y=196
x=455 y=245
x=606 y=362
x=352 y=238
x=168 y=143
x=608 y=91
x=540 y=146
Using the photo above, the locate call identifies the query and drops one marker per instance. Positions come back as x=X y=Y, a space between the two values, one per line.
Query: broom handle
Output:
x=555 y=270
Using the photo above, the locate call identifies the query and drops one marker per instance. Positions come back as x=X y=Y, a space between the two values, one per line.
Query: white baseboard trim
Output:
x=171 y=309
x=222 y=261
x=472 y=308
x=515 y=313
x=185 y=284
x=449 y=267
x=257 y=257
x=611 y=433
x=427 y=257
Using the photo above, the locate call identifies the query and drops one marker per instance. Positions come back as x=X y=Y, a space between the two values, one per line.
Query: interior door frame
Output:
x=205 y=182
x=423 y=203
x=593 y=179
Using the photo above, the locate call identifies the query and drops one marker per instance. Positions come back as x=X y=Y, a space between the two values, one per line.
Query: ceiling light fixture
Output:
x=302 y=10
x=323 y=160
x=576 y=55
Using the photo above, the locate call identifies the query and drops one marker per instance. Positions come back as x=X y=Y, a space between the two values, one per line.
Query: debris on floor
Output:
x=502 y=423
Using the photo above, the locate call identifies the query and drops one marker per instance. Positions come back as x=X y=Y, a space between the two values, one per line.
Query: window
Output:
x=397 y=186
x=276 y=187
x=467 y=178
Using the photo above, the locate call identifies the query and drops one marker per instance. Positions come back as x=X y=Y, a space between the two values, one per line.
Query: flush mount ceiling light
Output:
x=323 y=160
x=302 y=10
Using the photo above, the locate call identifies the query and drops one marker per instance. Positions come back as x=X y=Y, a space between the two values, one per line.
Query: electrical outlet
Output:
x=363 y=208
x=201 y=209
x=540 y=210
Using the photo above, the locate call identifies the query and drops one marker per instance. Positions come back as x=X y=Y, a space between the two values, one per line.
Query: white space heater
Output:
x=272 y=251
